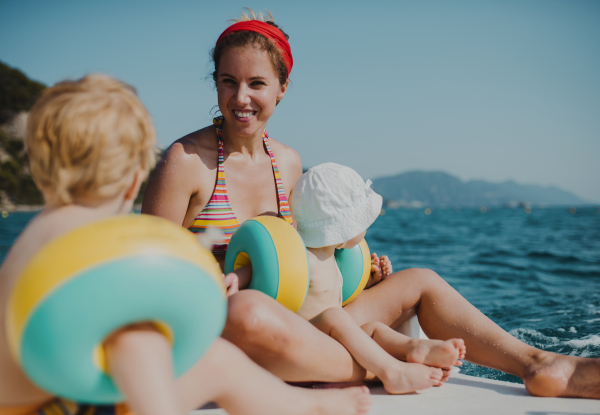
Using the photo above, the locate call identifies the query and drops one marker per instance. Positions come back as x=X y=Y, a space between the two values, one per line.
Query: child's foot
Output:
x=351 y=401
x=446 y=371
x=437 y=353
x=409 y=377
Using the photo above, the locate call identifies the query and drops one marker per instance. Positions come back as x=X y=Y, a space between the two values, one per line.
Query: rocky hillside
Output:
x=17 y=95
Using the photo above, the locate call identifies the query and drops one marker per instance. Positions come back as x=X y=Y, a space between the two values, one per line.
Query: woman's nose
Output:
x=243 y=95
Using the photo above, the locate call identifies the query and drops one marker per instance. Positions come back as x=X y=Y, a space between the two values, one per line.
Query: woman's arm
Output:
x=172 y=185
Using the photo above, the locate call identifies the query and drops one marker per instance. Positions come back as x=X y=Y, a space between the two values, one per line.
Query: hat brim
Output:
x=345 y=228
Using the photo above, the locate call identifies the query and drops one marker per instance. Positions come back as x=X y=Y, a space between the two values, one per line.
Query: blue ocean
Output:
x=536 y=273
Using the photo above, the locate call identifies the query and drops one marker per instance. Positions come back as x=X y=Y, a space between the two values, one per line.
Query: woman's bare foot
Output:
x=409 y=377
x=437 y=353
x=352 y=401
x=558 y=375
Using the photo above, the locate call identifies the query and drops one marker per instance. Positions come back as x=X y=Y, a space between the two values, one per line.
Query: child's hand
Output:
x=231 y=283
x=381 y=267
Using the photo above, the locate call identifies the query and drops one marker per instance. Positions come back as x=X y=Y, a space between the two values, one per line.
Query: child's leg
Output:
x=227 y=376
x=397 y=376
x=438 y=353
x=141 y=364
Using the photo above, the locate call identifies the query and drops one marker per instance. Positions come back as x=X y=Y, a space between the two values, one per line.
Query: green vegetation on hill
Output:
x=17 y=92
x=15 y=179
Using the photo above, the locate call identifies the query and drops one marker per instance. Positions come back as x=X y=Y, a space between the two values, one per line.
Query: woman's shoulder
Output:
x=289 y=164
x=285 y=155
x=197 y=148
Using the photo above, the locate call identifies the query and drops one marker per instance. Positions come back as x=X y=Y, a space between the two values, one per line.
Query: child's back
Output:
x=80 y=140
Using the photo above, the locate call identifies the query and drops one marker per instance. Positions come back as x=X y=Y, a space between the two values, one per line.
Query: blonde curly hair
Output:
x=88 y=138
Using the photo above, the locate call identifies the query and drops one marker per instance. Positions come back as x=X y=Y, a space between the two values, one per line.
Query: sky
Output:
x=492 y=90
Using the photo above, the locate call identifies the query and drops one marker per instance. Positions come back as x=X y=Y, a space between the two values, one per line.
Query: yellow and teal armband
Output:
x=280 y=265
x=88 y=283
x=355 y=266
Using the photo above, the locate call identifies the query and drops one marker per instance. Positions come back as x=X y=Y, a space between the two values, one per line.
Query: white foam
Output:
x=529 y=335
x=591 y=340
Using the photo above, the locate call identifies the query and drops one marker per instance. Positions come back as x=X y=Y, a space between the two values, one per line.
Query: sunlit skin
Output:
x=246 y=83
x=184 y=179
x=283 y=342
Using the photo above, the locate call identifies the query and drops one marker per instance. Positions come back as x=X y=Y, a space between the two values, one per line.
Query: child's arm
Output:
x=244 y=276
x=381 y=268
x=231 y=282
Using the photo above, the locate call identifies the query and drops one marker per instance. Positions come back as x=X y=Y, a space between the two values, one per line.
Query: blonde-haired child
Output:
x=333 y=208
x=91 y=144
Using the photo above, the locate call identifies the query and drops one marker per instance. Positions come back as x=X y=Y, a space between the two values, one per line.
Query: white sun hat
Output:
x=332 y=204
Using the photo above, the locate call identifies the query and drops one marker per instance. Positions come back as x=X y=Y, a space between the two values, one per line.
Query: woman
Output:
x=252 y=66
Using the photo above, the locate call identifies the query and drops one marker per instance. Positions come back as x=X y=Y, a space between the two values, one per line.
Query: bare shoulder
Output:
x=192 y=148
x=35 y=235
x=286 y=154
x=182 y=181
x=288 y=161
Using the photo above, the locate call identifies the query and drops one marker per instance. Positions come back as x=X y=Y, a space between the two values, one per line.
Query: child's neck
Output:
x=83 y=211
x=323 y=253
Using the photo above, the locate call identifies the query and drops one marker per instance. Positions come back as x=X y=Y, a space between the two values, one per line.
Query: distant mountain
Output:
x=419 y=188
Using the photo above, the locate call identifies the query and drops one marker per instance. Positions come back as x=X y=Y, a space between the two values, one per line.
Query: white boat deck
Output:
x=465 y=395
x=469 y=395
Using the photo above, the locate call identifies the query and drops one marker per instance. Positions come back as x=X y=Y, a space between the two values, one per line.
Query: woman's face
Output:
x=248 y=89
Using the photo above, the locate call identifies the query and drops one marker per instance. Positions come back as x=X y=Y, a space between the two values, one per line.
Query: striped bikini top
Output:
x=218 y=212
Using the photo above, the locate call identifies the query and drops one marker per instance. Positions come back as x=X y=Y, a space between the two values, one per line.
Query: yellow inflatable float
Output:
x=96 y=279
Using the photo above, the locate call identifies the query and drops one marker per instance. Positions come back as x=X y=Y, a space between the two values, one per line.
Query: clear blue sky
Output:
x=490 y=90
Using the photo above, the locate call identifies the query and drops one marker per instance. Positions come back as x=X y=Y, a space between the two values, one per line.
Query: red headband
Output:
x=270 y=32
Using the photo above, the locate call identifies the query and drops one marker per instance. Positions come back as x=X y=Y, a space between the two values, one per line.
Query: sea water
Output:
x=536 y=273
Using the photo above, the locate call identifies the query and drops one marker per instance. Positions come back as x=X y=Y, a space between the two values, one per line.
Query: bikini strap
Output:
x=218 y=122
x=282 y=201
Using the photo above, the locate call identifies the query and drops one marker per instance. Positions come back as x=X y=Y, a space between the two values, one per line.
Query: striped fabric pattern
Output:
x=218 y=212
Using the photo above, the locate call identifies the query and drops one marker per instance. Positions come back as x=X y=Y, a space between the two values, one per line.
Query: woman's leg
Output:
x=443 y=314
x=286 y=344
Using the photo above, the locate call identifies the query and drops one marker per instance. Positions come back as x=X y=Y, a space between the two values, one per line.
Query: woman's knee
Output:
x=417 y=277
x=254 y=318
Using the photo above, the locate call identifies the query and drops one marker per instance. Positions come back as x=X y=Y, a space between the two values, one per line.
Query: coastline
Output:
x=37 y=208
x=21 y=208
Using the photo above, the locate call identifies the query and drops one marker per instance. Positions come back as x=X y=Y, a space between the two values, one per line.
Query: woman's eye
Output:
x=228 y=81
x=258 y=83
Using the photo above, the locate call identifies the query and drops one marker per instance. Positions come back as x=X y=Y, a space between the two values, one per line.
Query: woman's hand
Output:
x=231 y=283
x=381 y=267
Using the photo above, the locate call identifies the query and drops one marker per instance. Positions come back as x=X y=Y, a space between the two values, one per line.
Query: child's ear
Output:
x=134 y=188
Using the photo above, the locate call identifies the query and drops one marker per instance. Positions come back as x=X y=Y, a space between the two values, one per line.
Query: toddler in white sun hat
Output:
x=333 y=208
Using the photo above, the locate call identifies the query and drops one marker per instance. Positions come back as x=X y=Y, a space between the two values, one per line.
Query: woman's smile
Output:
x=248 y=90
x=243 y=115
